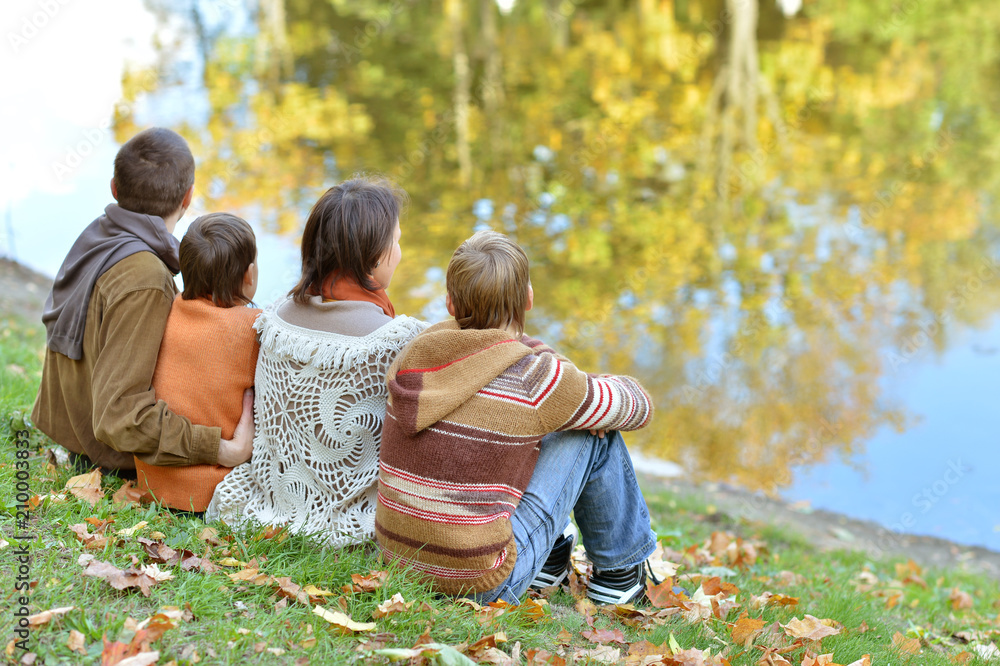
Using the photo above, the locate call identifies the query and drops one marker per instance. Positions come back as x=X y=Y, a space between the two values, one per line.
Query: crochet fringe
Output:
x=329 y=351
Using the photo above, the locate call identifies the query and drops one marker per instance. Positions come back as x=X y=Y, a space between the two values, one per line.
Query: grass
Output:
x=231 y=622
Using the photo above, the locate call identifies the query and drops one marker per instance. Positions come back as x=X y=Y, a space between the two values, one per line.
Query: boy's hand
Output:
x=599 y=433
x=236 y=451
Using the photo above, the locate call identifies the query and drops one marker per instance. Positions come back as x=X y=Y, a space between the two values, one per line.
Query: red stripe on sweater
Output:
x=441 y=367
x=541 y=396
x=443 y=518
x=445 y=572
x=445 y=485
x=443 y=501
x=600 y=401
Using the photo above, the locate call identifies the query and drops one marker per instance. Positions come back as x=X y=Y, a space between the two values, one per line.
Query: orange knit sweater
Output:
x=207 y=359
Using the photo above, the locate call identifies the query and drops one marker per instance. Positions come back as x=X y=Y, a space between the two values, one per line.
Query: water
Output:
x=812 y=302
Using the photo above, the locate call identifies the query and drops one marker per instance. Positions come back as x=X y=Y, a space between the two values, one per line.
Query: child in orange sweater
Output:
x=209 y=351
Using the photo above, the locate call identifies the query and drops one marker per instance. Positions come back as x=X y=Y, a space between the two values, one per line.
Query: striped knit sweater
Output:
x=466 y=412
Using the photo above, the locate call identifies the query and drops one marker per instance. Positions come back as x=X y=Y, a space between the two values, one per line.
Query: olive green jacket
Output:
x=103 y=406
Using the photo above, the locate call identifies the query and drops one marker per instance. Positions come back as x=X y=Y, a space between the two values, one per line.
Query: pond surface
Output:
x=784 y=224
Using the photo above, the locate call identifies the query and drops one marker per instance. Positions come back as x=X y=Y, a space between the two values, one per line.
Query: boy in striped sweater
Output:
x=491 y=439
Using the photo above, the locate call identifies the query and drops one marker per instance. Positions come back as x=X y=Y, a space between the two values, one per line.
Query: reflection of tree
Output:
x=753 y=327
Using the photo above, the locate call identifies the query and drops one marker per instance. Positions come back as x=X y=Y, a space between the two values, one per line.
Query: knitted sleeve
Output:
x=575 y=400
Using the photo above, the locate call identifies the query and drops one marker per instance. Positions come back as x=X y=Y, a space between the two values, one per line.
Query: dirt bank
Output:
x=23 y=291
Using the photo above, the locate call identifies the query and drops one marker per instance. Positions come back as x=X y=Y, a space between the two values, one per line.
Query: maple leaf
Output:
x=865 y=660
x=343 y=622
x=210 y=535
x=604 y=654
x=662 y=595
x=810 y=628
x=604 y=636
x=904 y=644
x=90 y=541
x=772 y=658
x=746 y=629
x=714 y=586
x=125 y=579
x=86 y=486
x=128 y=494
x=373 y=581
x=818 y=660
x=536 y=657
x=959 y=599
x=286 y=588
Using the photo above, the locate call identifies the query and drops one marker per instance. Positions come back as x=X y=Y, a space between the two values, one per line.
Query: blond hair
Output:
x=488 y=282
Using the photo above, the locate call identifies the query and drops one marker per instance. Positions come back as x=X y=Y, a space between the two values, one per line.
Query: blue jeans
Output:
x=592 y=478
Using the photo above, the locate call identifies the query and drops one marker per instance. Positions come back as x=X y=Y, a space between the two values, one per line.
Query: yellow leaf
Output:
x=129 y=531
x=810 y=627
x=76 y=642
x=314 y=591
x=343 y=622
x=231 y=562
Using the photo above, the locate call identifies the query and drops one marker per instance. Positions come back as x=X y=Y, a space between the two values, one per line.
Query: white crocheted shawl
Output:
x=319 y=406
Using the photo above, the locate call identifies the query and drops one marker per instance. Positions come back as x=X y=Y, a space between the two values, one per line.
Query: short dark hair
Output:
x=215 y=254
x=153 y=172
x=348 y=231
x=488 y=281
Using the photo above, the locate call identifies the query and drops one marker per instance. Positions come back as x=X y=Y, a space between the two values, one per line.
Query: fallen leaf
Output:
x=129 y=531
x=373 y=581
x=395 y=604
x=90 y=541
x=604 y=636
x=662 y=595
x=314 y=591
x=960 y=600
x=865 y=660
x=604 y=654
x=342 y=621
x=904 y=644
x=746 y=629
x=76 y=642
x=129 y=494
x=286 y=588
x=46 y=616
x=251 y=576
x=120 y=579
x=536 y=657
x=210 y=535
x=714 y=585
x=810 y=628
x=231 y=561
x=86 y=486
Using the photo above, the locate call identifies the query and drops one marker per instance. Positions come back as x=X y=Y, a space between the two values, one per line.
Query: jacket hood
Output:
x=444 y=367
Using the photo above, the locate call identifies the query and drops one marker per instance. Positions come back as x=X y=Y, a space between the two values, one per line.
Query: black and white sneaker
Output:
x=620 y=586
x=556 y=567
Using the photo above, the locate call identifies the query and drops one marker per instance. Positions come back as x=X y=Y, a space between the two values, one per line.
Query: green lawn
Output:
x=255 y=606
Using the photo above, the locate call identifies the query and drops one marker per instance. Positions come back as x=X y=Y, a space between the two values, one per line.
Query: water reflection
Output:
x=761 y=216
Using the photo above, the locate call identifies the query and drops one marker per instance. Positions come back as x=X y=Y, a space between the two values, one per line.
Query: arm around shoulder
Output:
x=127 y=415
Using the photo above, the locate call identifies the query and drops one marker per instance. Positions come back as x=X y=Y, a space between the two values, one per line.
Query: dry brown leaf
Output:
x=810 y=628
x=960 y=600
x=746 y=629
x=46 y=616
x=865 y=660
x=564 y=637
x=604 y=636
x=395 y=604
x=662 y=595
x=251 y=576
x=343 y=622
x=286 y=588
x=772 y=658
x=125 y=579
x=904 y=644
x=86 y=486
x=604 y=654
x=128 y=494
x=714 y=585
x=90 y=541
x=818 y=660
x=538 y=657
x=76 y=642
x=210 y=535
x=373 y=581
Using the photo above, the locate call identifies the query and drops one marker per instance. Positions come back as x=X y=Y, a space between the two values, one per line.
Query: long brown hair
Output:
x=215 y=254
x=348 y=231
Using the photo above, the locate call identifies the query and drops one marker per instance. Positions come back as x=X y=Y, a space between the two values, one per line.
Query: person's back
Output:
x=470 y=401
x=105 y=317
x=209 y=350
